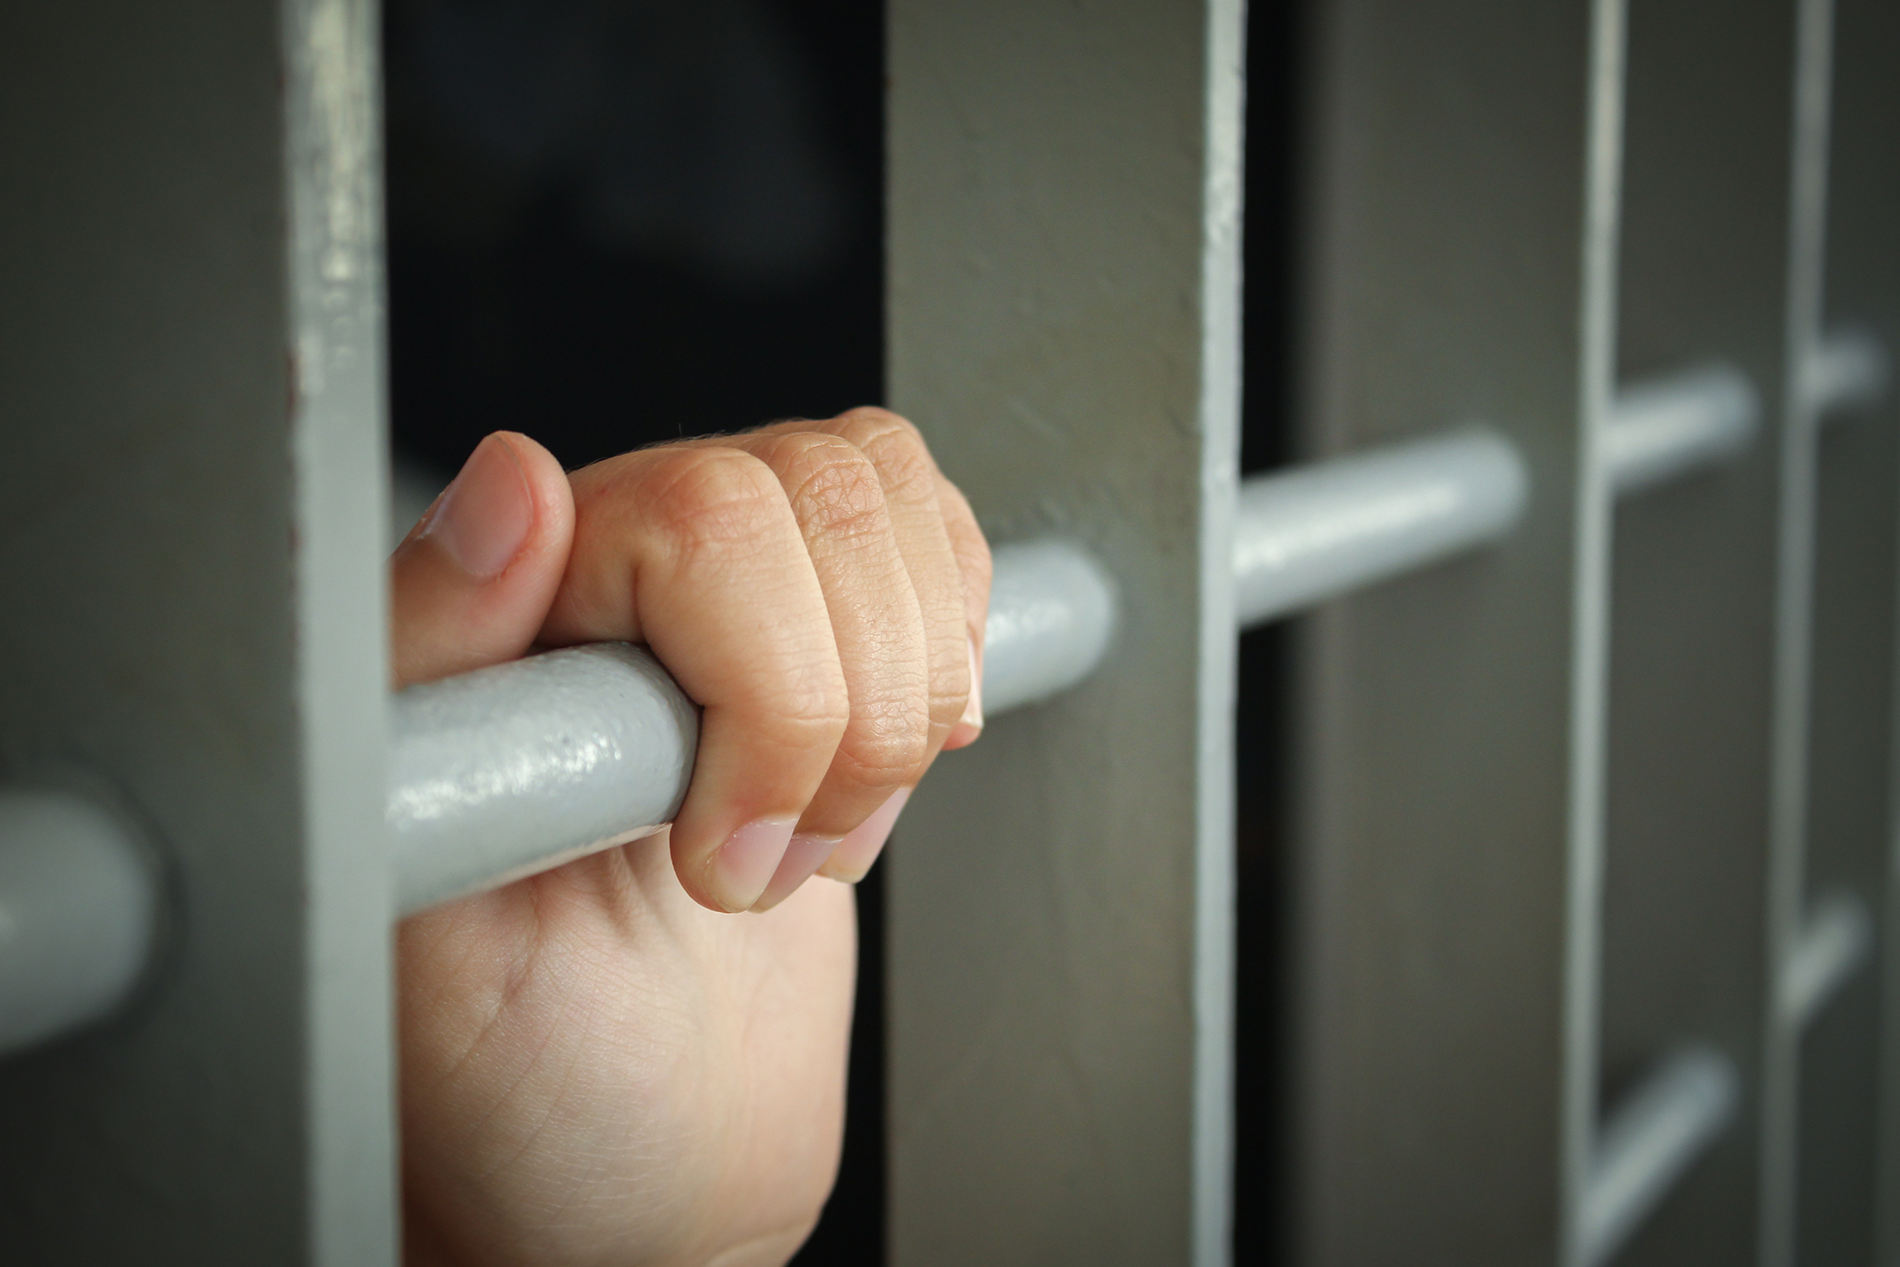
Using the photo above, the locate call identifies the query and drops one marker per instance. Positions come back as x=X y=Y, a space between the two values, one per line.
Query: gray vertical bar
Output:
x=1590 y=620
x=1462 y=226
x=1064 y=221
x=333 y=149
x=1849 y=817
x=1693 y=596
x=1794 y=568
x=194 y=619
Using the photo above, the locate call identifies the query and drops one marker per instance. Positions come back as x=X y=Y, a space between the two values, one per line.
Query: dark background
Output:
x=613 y=222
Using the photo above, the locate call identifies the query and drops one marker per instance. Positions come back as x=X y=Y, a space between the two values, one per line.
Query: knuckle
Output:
x=711 y=496
x=839 y=492
x=886 y=744
x=876 y=416
x=896 y=448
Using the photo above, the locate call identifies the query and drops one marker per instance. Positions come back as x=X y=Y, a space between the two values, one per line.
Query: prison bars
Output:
x=513 y=769
x=1651 y=1138
x=1650 y=1142
x=506 y=771
x=1659 y=1129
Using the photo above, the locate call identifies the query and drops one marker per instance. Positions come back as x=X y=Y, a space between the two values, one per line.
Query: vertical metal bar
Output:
x=1590 y=619
x=1064 y=221
x=333 y=150
x=1692 y=594
x=189 y=563
x=1794 y=565
x=1465 y=153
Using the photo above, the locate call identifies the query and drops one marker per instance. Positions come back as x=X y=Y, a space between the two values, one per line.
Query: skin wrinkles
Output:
x=596 y=1068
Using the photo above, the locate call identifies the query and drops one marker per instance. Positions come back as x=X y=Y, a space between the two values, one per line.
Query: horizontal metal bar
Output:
x=514 y=769
x=1668 y=427
x=510 y=770
x=1649 y=1143
x=1318 y=531
x=1836 y=942
x=1676 y=424
x=78 y=911
x=1052 y=614
x=1848 y=370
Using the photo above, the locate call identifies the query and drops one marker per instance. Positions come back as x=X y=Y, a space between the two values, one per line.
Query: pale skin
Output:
x=605 y=1064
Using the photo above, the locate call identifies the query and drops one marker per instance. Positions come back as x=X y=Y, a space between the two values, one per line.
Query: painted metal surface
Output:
x=1063 y=324
x=338 y=453
x=1455 y=172
x=191 y=563
x=514 y=769
x=1051 y=619
x=507 y=771
x=79 y=912
x=1675 y=425
x=1659 y=1130
x=1315 y=532
x=1848 y=369
x=1680 y=957
x=1836 y=942
x=510 y=770
x=1790 y=772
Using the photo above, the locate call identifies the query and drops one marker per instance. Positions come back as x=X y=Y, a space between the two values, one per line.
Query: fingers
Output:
x=947 y=563
x=838 y=499
x=471 y=583
x=972 y=553
x=696 y=552
x=910 y=481
x=819 y=589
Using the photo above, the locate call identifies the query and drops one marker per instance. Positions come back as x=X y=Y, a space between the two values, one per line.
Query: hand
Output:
x=599 y=1064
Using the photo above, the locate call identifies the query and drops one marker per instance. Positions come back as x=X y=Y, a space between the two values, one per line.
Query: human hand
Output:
x=597 y=1065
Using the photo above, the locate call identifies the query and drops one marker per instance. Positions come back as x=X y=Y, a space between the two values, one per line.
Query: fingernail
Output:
x=739 y=872
x=970 y=725
x=484 y=518
x=859 y=849
x=802 y=859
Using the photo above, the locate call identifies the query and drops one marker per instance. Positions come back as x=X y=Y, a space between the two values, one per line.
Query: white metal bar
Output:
x=514 y=769
x=1676 y=424
x=1794 y=617
x=1595 y=489
x=1836 y=941
x=518 y=768
x=1847 y=369
x=1649 y=1143
x=1671 y=426
x=1052 y=614
x=78 y=909
x=511 y=770
x=1319 y=531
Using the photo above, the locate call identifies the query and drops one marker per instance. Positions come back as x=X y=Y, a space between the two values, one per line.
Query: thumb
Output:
x=473 y=580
